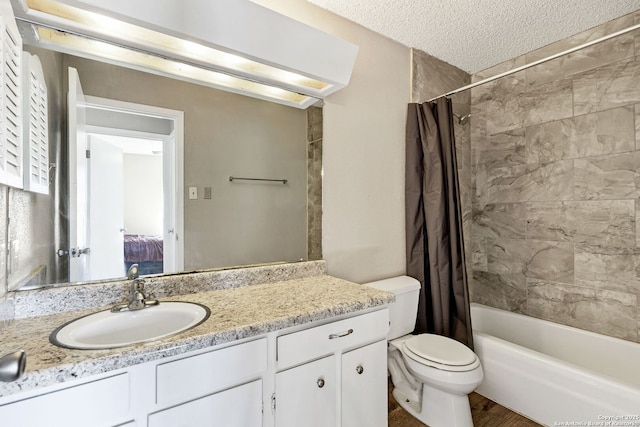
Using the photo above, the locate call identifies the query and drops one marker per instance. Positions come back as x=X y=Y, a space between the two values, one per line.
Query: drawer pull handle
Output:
x=340 y=335
x=320 y=382
x=360 y=370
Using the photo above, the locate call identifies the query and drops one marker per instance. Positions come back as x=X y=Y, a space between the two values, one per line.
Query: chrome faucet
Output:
x=137 y=297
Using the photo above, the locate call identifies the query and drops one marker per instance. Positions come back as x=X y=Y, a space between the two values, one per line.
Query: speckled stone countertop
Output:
x=236 y=313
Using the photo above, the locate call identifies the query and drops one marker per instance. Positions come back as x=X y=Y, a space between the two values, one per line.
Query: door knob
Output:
x=320 y=382
x=359 y=369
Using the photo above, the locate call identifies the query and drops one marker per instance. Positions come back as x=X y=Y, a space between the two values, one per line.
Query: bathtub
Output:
x=555 y=374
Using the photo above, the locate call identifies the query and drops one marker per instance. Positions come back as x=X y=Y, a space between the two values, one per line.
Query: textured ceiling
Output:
x=476 y=34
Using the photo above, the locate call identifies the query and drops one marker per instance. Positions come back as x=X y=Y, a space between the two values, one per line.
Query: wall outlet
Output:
x=207 y=193
x=193 y=193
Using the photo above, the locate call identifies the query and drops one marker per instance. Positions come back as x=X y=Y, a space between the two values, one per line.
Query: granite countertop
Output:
x=236 y=313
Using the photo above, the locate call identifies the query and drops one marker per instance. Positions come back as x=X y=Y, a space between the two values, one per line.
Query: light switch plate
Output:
x=193 y=193
x=207 y=193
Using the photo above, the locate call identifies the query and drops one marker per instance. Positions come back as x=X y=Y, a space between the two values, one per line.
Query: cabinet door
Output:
x=104 y=402
x=306 y=395
x=239 y=406
x=364 y=386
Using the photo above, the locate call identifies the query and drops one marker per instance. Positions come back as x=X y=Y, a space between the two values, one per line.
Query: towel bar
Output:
x=233 y=178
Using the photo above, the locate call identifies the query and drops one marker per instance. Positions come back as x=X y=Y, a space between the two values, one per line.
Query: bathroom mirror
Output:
x=271 y=217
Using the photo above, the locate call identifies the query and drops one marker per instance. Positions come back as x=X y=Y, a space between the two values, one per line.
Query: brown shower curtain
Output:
x=435 y=249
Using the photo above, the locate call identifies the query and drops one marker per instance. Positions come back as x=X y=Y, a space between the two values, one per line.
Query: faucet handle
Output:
x=132 y=272
x=12 y=365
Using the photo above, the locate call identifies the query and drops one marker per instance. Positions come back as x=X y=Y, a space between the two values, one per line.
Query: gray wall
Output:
x=226 y=134
x=556 y=170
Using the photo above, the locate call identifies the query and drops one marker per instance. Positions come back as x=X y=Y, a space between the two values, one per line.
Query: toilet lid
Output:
x=439 y=349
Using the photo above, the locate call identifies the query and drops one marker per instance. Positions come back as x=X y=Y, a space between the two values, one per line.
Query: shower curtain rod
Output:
x=538 y=62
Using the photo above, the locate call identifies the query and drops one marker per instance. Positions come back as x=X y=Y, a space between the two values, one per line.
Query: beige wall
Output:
x=363 y=142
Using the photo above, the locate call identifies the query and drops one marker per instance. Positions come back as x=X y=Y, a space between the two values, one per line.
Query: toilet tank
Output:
x=402 y=313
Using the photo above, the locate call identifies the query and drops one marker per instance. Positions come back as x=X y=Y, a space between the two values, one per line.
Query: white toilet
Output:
x=432 y=375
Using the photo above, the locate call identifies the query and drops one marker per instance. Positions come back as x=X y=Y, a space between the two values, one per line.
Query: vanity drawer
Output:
x=206 y=373
x=239 y=406
x=103 y=402
x=312 y=343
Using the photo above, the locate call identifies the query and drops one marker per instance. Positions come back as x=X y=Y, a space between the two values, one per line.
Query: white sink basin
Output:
x=106 y=329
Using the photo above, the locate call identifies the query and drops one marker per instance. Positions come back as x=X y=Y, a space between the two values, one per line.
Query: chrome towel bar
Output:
x=233 y=178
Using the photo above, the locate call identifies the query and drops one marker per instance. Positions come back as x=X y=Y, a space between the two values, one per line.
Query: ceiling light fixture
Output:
x=230 y=44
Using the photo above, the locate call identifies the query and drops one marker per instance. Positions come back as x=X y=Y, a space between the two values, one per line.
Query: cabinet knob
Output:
x=359 y=369
x=320 y=382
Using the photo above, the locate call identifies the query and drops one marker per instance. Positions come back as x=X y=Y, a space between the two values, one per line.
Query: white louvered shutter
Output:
x=11 y=151
x=36 y=135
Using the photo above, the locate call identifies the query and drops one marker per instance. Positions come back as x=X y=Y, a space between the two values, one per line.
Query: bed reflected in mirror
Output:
x=227 y=223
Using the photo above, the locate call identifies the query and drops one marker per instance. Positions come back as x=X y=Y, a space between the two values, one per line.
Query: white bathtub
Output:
x=556 y=374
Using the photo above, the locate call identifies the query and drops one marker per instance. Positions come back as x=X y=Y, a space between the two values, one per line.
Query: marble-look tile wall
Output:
x=555 y=162
x=314 y=183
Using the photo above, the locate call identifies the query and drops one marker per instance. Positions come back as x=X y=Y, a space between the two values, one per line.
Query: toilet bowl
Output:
x=432 y=375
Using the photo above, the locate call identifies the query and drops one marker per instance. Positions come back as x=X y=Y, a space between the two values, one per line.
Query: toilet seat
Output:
x=440 y=352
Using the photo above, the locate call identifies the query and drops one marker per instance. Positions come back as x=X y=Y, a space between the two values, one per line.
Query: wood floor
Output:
x=485 y=413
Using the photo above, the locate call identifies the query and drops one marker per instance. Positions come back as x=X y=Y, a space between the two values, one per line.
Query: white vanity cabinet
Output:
x=364 y=386
x=329 y=375
x=306 y=395
x=238 y=406
x=101 y=402
x=334 y=374
x=221 y=386
x=226 y=385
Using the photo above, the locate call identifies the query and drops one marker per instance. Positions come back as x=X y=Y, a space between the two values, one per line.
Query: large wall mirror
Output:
x=151 y=184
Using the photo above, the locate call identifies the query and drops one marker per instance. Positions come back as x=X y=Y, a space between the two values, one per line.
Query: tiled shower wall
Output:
x=314 y=183
x=555 y=178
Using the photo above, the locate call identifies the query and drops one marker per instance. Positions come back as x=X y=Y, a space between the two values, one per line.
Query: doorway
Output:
x=132 y=201
x=149 y=233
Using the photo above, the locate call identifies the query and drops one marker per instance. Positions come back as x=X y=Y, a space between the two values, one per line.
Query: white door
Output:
x=106 y=209
x=173 y=167
x=170 y=236
x=364 y=386
x=78 y=182
x=306 y=395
